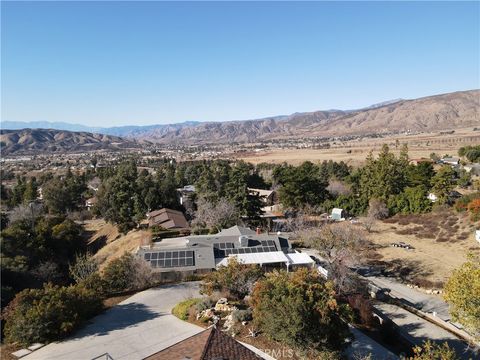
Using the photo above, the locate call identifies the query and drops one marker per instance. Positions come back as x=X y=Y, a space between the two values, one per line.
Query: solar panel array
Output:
x=170 y=259
x=222 y=250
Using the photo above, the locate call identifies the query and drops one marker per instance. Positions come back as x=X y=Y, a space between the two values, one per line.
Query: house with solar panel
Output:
x=203 y=253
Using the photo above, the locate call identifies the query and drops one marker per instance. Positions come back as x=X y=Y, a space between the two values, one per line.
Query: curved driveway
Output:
x=135 y=328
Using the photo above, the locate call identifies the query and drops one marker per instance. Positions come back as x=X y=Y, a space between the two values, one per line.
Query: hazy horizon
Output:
x=104 y=64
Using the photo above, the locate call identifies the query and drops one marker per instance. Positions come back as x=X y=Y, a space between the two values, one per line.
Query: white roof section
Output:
x=236 y=231
x=337 y=211
x=257 y=258
x=298 y=258
x=262 y=192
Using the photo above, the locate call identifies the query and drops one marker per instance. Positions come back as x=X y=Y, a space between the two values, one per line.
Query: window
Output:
x=154 y=256
x=147 y=256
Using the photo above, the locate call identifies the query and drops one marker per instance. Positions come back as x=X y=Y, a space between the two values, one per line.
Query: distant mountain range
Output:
x=35 y=141
x=428 y=114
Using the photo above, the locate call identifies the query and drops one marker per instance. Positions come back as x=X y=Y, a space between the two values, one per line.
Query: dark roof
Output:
x=167 y=218
x=210 y=344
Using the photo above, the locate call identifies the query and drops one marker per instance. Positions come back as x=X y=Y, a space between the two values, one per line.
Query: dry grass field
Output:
x=107 y=243
x=354 y=152
x=441 y=241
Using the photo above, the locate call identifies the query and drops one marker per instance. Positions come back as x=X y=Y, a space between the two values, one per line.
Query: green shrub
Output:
x=236 y=279
x=300 y=309
x=48 y=314
x=242 y=315
x=204 y=304
x=182 y=309
x=127 y=273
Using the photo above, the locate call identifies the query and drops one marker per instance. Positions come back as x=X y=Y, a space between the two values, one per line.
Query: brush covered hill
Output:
x=429 y=114
x=36 y=141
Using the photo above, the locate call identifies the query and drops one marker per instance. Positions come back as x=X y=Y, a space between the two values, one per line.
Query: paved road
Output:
x=134 y=329
x=417 y=330
x=425 y=302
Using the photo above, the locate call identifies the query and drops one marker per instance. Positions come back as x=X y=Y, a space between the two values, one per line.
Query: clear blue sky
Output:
x=117 y=63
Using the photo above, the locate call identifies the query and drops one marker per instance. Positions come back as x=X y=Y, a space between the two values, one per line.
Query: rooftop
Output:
x=210 y=344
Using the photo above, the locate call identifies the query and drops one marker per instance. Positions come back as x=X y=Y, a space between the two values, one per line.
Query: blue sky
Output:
x=118 y=63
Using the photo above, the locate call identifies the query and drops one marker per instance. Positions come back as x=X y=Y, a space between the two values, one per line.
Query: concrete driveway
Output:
x=134 y=329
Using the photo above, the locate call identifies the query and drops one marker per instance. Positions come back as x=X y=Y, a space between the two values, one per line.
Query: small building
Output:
x=268 y=197
x=185 y=193
x=421 y=160
x=477 y=235
x=450 y=160
x=452 y=196
x=208 y=344
x=89 y=203
x=167 y=219
x=337 y=214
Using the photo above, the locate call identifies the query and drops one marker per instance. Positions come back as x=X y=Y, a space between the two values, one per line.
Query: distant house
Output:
x=337 y=214
x=450 y=160
x=452 y=196
x=89 y=203
x=477 y=235
x=167 y=219
x=94 y=184
x=209 y=344
x=473 y=169
x=186 y=198
x=268 y=197
x=421 y=160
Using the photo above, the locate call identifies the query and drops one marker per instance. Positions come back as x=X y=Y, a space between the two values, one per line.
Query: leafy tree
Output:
x=116 y=197
x=385 y=176
x=40 y=251
x=472 y=153
x=246 y=203
x=443 y=183
x=300 y=309
x=31 y=191
x=462 y=292
x=48 y=314
x=433 y=351
x=236 y=280
x=64 y=194
x=413 y=200
x=301 y=186
x=420 y=174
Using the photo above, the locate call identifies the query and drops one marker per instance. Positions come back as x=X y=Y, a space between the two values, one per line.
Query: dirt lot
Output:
x=354 y=152
x=441 y=241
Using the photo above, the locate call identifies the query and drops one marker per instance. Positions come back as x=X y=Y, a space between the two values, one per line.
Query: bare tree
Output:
x=215 y=215
x=337 y=187
x=340 y=245
x=30 y=212
x=143 y=275
x=377 y=209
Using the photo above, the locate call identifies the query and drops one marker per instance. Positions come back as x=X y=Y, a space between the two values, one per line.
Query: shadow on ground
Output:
x=119 y=317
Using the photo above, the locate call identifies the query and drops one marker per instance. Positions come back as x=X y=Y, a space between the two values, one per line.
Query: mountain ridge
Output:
x=34 y=141
x=430 y=113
